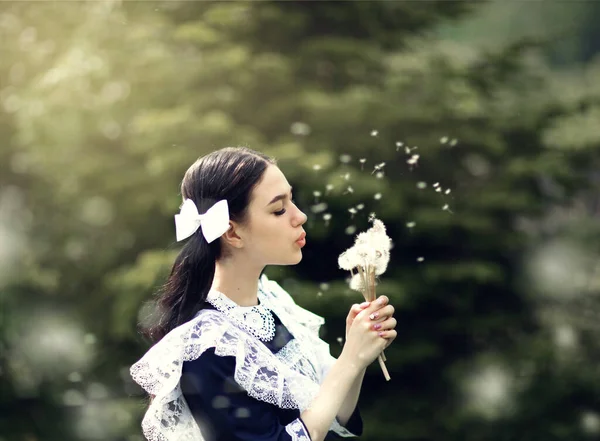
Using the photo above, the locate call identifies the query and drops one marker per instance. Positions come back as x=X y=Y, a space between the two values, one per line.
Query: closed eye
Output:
x=283 y=210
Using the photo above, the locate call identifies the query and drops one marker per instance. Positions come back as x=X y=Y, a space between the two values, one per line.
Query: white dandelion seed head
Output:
x=357 y=283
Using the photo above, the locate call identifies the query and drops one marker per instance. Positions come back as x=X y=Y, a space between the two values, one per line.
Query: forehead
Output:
x=273 y=182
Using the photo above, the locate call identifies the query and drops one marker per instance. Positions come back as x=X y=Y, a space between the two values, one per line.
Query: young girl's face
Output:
x=274 y=222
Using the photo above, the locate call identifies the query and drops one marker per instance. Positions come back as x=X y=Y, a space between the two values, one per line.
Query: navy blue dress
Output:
x=225 y=412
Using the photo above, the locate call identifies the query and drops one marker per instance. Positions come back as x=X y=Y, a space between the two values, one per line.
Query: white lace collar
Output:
x=256 y=320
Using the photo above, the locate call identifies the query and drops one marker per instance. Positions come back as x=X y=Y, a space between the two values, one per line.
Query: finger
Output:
x=385 y=325
x=391 y=334
x=374 y=306
x=382 y=313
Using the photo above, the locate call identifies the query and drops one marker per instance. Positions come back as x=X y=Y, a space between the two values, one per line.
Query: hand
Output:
x=354 y=311
x=371 y=330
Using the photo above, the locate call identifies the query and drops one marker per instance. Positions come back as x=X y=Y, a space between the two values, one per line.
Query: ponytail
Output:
x=185 y=291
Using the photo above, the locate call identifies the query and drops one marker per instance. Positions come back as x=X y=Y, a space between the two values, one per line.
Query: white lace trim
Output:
x=290 y=379
x=297 y=431
x=256 y=320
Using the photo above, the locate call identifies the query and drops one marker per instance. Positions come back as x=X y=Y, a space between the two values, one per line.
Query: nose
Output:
x=300 y=218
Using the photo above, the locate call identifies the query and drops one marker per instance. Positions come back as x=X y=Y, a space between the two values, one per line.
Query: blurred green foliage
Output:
x=494 y=276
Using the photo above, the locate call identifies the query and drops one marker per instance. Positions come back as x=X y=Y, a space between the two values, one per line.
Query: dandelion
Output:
x=366 y=259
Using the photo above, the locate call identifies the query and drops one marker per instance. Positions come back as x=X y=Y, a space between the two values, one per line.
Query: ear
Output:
x=232 y=236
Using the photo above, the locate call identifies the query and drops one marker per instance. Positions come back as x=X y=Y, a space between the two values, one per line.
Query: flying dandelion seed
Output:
x=319 y=208
x=436 y=185
x=346 y=176
x=411 y=224
x=349 y=189
x=420 y=259
x=413 y=160
x=300 y=128
x=378 y=167
x=316 y=167
x=362 y=163
x=360 y=206
x=399 y=145
x=340 y=340
x=380 y=175
x=447 y=208
x=327 y=218
x=350 y=230
x=590 y=422
x=421 y=185
x=374 y=133
x=438 y=190
x=345 y=159
x=444 y=139
x=352 y=211
x=316 y=194
x=447 y=191
x=407 y=150
x=328 y=188
x=453 y=142
x=319 y=294
x=324 y=286
x=372 y=216
x=377 y=196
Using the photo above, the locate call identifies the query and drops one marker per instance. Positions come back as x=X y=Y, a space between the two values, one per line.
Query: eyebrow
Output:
x=278 y=198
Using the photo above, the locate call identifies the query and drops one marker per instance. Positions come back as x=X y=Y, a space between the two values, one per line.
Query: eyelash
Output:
x=282 y=212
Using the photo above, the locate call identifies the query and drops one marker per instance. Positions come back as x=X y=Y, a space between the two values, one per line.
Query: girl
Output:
x=235 y=359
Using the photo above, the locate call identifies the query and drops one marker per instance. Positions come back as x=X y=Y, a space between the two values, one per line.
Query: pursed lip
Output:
x=302 y=236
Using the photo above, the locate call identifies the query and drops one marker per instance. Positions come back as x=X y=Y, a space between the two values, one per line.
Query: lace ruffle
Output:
x=289 y=379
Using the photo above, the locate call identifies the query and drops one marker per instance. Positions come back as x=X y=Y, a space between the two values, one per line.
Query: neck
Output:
x=237 y=281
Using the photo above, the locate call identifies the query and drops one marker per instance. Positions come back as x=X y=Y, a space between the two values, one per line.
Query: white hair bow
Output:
x=214 y=222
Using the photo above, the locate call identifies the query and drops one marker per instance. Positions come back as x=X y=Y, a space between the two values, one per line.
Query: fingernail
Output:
x=374 y=316
x=381 y=301
x=377 y=326
x=381 y=333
